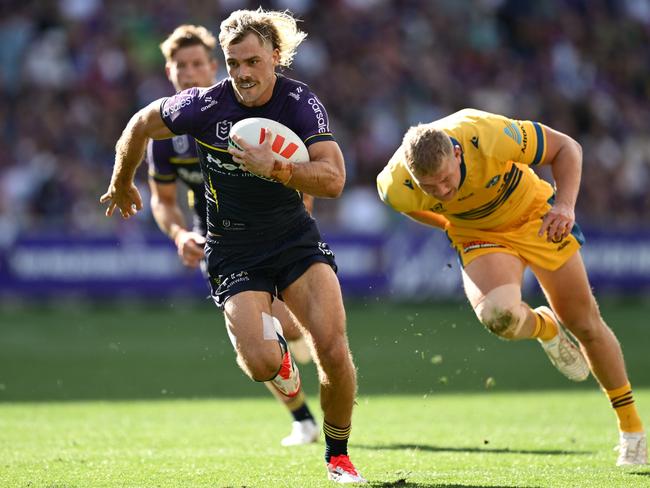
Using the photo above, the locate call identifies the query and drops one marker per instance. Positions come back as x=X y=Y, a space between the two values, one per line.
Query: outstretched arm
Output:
x=428 y=218
x=129 y=150
x=564 y=155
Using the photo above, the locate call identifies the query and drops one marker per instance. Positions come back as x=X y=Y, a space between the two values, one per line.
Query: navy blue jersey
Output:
x=177 y=158
x=239 y=202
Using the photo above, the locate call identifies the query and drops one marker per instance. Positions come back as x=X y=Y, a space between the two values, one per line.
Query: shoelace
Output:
x=344 y=463
x=566 y=351
x=629 y=449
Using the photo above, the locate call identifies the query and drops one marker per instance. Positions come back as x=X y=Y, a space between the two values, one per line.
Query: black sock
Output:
x=302 y=413
x=336 y=440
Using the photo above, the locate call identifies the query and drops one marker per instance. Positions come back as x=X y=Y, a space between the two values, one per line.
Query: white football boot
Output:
x=341 y=470
x=287 y=380
x=632 y=449
x=302 y=432
x=563 y=353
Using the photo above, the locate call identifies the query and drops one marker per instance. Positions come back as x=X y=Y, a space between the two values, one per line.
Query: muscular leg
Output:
x=298 y=338
x=290 y=326
x=493 y=287
x=315 y=299
x=304 y=428
x=260 y=355
x=258 y=351
x=567 y=290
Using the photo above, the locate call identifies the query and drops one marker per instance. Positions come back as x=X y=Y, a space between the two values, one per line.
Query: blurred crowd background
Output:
x=72 y=72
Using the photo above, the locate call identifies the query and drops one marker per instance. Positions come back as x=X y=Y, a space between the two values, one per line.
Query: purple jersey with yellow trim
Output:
x=239 y=202
x=177 y=159
x=497 y=185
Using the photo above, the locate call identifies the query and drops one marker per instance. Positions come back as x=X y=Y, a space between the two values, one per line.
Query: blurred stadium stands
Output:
x=73 y=71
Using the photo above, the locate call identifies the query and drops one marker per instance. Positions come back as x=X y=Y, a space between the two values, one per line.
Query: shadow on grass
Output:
x=640 y=473
x=429 y=448
x=402 y=483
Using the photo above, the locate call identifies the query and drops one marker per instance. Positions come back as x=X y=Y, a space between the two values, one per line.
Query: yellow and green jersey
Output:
x=497 y=185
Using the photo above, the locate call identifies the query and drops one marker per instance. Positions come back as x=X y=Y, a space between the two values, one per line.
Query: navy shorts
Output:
x=235 y=266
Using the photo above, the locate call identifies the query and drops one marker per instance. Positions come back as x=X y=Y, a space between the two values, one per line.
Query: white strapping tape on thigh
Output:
x=270 y=328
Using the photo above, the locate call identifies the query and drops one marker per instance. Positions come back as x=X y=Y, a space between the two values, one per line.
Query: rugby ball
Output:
x=286 y=143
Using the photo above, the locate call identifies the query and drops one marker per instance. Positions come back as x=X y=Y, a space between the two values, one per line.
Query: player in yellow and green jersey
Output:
x=470 y=174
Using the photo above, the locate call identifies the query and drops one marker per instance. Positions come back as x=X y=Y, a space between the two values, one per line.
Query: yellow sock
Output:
x=545 y=327
x=625 y=409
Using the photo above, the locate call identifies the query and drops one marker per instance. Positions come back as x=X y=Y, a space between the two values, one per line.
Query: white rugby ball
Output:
x=286 y=143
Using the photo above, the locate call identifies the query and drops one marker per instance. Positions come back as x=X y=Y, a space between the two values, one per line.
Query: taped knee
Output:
x=260 y=361
x=502 y=312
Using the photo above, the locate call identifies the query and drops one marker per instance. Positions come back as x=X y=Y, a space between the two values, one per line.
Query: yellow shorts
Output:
x=521 y=241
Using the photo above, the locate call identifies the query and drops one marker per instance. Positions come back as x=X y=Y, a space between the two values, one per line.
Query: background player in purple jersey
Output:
x=261 y=241
x=190 y=61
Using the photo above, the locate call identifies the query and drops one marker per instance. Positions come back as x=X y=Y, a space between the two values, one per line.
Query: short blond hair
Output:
x=188 y=35
x=280 y=29
x=425 y=147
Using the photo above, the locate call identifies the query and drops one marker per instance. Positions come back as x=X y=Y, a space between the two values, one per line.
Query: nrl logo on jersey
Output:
x=223 y=129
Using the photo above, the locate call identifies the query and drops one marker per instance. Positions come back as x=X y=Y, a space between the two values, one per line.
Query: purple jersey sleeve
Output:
x=160 y=167
x=178 y=111
x=311 y=122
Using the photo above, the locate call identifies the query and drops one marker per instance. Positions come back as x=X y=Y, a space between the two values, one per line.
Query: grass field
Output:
x=149 y=396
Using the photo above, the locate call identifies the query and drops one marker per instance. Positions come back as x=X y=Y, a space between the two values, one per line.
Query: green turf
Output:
x=152 y=398
x=79 y=351
x=558 y=439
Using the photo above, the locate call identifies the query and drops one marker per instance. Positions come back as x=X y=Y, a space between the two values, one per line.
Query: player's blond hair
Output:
x=280 y=29
x=425 y=147
x=188 y=35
